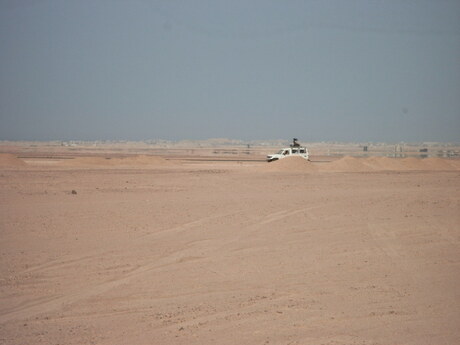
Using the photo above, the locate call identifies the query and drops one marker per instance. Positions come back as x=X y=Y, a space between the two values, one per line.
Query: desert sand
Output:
x=152 y=250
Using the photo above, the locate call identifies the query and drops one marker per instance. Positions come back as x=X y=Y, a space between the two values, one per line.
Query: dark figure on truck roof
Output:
x=295 y=143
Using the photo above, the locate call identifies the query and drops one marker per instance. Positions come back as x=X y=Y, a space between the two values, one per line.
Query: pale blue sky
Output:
x=321 y=70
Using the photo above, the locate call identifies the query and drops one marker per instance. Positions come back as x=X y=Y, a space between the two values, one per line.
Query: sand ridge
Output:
x=410 y=163
x=291 y=164
x=435 y=163
x=288 y=164
x=384 y=163
x=348 y=163
x=368 y=164
x=131 y=161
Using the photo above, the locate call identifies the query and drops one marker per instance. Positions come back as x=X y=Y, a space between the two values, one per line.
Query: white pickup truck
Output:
x=297 y=151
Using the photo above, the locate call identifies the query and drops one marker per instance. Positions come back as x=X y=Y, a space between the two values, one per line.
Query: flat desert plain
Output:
x=151 y=250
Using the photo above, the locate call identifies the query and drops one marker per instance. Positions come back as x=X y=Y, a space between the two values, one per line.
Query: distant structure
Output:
x=423 y=153
x=399 y=151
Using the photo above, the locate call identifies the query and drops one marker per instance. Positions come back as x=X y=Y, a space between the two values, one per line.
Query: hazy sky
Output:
x=319 y=70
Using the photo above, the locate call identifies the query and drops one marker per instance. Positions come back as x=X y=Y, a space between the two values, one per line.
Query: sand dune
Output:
x=438 y=164
x=291 y=164
x=384 y=163
x=411 y=163
x=455 y=163
x=347 y=163
x=9 y=160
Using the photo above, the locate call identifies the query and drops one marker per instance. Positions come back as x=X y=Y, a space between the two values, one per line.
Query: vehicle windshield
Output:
x=280 y=152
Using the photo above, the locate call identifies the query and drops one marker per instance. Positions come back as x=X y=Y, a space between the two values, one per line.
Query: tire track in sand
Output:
x=49 y=304
x=45 y=304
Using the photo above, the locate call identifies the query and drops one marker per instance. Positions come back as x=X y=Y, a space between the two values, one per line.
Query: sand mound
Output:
x=412 y=163
x=290 y=164
x=133 y=161
x=352 y=164
x=384 y=163
x=455 y=163
x=348 y=163
x=9 y=160
x=438 y=164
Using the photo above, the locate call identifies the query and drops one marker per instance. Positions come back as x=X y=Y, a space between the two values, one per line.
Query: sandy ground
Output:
x=147 y=250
